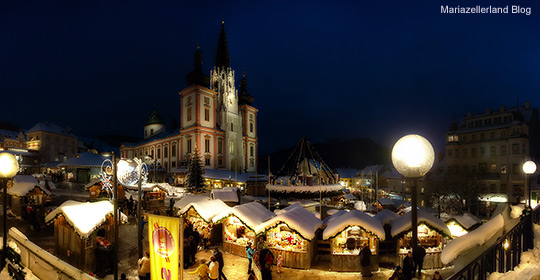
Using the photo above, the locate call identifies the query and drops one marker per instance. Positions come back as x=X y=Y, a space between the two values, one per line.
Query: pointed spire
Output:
x=222 y=56
x=197 y=77
x=154 y=118
x=244 y=97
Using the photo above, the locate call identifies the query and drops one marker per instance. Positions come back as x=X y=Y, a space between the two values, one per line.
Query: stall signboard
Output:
x=163 y=235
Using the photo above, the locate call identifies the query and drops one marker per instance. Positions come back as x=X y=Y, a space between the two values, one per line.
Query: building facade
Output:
x=53 y=142
x=489 y=149
x=215 y=117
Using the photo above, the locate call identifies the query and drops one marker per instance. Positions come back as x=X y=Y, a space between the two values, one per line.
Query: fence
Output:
x=505 y=254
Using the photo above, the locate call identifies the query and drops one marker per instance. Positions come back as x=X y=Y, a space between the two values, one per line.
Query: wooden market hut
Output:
x=229 y=195
x=26 y=191
x=242 y=224
x=349 y=233
x=462 y=224
x=432 y=235
x=84 y=233
x=200 y=214
x=291 y=234
x=154 y=194
x=95 y=189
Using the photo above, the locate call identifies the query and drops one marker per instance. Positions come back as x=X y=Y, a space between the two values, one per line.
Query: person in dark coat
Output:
x=219 y=258
x=397 y=275
x=365 y=261
x=408 y=266
x=266 y=259
x=418 y=257
x=437 y=276
x=193 y=249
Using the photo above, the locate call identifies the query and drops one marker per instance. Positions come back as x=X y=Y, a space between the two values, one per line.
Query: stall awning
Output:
x=354 y=218
x=207 y=209
x=251 y=214
x=297 y=218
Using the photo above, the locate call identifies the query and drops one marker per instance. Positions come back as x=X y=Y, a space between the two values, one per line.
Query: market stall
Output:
x=462 y=224
x=96 y=191
x=200 y=214
x=432 y=235
x=349 y=233
x=27 y=196
x=291 y=234
x=82 y=231
x=241 y=224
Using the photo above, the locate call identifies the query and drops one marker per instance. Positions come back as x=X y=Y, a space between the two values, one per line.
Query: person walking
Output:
x=408 y=266
x=418 y=256
x=219 y=258
x=202 y=270
x=365 y=261
x=213 y=268
x=249 y=252
x=144 y=267
x=437 y=276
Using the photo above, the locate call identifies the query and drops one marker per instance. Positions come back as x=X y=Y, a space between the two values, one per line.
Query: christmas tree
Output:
x=195 y=171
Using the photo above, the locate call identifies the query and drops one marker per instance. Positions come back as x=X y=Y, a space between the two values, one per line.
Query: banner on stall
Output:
x=163 y=233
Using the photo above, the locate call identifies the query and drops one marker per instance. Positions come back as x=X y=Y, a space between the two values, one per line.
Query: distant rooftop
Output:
x=51 y=127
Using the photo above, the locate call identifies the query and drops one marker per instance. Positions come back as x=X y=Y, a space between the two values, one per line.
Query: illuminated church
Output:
x=215 y=117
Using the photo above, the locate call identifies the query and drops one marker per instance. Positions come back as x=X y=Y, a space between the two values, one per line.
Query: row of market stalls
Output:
x=292 y=232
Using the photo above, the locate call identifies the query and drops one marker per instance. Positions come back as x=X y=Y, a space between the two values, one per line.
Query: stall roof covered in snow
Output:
x=148 y=187
x=304 y=189
x=297 y=218
x=225 y=194
x=467 y=220
x=22 y=184
x=84 y=217
x=404 y=223
x=386 y=216
x=474 y=238
x=394 y=202
x=252 y=214
x=333 y=215
x=207 y=209
x=190 y=198
x=92 y=183
x=84 y=160
x=354 y=218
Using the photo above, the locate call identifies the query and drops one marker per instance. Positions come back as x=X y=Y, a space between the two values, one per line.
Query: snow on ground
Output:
x=529 y=268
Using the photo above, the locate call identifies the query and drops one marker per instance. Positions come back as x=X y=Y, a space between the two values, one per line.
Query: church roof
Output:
x=222 y=57
x=154 y=118
x=197 y=77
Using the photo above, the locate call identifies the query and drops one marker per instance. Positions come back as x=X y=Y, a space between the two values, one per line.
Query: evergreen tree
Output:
x=195 y=171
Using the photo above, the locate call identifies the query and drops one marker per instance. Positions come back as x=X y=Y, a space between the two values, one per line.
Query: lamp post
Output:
x=413 y=157
x=8 y=168
x=529 y=167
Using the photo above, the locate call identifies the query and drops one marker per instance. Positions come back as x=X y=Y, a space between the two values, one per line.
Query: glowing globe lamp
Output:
x=413 y=156
x=529 y=167
x=8 y=165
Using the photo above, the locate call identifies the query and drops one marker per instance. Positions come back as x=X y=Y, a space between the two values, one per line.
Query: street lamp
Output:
x=529 y=167
x=8 y=168
x=413 y=157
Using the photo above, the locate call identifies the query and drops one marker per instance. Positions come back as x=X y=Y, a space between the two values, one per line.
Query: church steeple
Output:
x=197 y=77
x=222 y=56
x=244 y=97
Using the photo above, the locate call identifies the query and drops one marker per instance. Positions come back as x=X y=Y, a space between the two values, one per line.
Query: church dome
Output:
x=154 y=118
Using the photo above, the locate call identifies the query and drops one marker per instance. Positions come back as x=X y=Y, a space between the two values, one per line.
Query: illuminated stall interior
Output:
x=200 y=213
x=432 y=235
x=242 y=224
x=460 y=225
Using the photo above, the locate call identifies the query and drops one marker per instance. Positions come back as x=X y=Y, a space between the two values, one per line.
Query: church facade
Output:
x=216 y=118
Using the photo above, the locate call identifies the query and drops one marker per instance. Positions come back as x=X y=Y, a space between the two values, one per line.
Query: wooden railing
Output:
x=505 y=254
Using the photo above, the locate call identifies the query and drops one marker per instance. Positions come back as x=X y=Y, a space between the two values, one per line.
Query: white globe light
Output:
x=413 y=156
x=128 y=173
x=8 y=165
x=529 y=167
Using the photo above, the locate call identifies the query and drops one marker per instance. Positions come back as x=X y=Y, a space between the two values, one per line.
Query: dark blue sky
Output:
x=375 y=69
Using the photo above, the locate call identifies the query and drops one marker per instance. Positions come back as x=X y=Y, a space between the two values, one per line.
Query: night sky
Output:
x=374 y=69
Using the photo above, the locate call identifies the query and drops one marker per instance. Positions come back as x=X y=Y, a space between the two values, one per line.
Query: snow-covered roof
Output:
x=190 y=198
x=404 y=223
x=207 y=209
x=23 y=188
x=24 y=178
x=347 y=172
x=333 y=215
x=84 y=217
x=385 y=216
x=84 y=160
x=92 y=183
x=148 y=187
x=297 y=218
x=394 y=202
x=354 y=218
x=51 y=127
x=226 y=175
x=252 y=214
x=225 y=194
x=474 y=238
x=467 y=220
x=304 y=189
